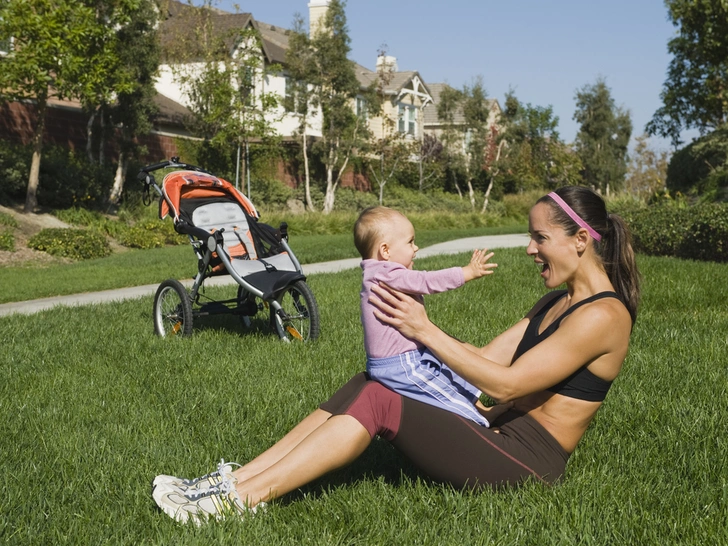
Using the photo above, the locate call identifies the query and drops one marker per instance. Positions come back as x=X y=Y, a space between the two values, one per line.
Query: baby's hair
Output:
x=370 y=227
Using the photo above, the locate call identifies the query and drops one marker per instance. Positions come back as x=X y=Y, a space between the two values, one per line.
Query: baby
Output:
x=385 y=239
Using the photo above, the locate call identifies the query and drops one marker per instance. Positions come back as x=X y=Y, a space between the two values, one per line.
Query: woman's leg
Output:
x=332 y=444
x=283 y=447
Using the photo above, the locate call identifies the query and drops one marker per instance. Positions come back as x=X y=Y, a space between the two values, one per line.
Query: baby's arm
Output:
x=479 y=265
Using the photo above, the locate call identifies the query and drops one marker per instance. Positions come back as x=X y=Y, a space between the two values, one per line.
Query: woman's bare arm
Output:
x=578 y=341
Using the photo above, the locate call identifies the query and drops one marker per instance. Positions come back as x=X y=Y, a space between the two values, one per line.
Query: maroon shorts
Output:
x=447 y=447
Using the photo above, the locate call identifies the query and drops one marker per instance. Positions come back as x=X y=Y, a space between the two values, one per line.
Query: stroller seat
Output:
x=230 y=218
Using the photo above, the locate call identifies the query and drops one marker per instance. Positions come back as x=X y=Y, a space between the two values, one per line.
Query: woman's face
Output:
x=550 y=247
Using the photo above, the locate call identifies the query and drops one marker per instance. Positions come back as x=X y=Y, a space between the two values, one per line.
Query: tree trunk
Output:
x=471 y=193
x=102 y=136
x=487 y=195
x=422 y=172
x=457 y=186
x=307 y=174
x=330 y=191
x=31 y=197
x=90 y=137
x=118 y=187
x=492 y=177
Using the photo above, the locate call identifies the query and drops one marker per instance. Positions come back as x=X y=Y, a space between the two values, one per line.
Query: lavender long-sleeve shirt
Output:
x=381 y=340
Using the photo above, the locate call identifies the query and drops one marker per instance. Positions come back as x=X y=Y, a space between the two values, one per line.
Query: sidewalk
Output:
x=119 y=294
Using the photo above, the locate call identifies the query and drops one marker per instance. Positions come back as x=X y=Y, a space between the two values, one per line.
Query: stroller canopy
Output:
x=180 y=185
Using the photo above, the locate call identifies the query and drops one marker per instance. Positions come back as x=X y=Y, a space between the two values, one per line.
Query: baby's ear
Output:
x=383 y=252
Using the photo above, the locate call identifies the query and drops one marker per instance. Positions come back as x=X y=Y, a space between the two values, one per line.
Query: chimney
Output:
x=316 y=11
x=386 y=63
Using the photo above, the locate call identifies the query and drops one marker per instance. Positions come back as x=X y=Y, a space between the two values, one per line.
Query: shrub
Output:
x=659 y=230
x=67 y=180
x=707 y=237
x=8 y=220
x=79 y=217
x=270 y=191
x=14 y=169
x=77 y=244
x=150 y=234
x=7 y=241
x=699 y=232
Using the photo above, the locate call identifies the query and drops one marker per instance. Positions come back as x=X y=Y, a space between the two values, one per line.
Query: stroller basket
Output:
x=228 y=239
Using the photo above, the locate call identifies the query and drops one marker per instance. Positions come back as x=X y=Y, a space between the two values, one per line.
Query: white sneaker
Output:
x=224 y=470
x=200 y=505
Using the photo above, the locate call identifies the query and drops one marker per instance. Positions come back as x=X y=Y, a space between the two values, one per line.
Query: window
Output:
x=407 y=119
x=247 y=85
x=362 y=110
x=295 y=96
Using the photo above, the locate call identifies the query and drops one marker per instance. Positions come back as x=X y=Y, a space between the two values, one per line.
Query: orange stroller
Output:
x=227 y=238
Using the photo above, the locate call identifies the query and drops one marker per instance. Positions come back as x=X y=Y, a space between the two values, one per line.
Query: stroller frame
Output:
x=262 y=264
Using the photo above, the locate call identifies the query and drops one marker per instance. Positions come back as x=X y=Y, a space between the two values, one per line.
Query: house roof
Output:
x=182 y=18
x=170 y=112
x=398 y=81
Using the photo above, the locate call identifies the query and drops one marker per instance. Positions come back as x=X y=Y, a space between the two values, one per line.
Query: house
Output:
x=407 y=96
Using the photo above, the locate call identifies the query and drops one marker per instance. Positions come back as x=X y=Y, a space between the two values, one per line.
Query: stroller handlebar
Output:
x=145 y=175
x=173 y=163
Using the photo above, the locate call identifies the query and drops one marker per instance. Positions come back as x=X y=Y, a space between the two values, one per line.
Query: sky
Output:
x=543 y=50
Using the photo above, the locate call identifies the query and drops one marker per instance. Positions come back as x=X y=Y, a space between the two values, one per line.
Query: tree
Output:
x=334 y=89
x=428 y=159
x=476 y=111
x=452 y=136
x=647 y=170
x=60 y=50
x=221 y=74
x=298 y=99
x=603 y=137
x=695 y=93
x=134 y=108
x=534 y=154
x=467 y=131
x=392 y=148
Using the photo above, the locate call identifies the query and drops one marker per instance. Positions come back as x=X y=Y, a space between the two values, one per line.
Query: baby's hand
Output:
x=479 y=266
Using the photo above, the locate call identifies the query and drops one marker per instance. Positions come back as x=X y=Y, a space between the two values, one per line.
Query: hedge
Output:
x=698 y=233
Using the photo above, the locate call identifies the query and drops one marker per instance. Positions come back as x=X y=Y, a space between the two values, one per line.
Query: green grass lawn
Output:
x=142 y=267
x=93 y=406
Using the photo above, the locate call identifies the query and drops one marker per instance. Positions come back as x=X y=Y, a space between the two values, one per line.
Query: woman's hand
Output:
x=401 y=311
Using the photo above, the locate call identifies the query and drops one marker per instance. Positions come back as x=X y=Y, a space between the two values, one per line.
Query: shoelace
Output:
x=225 y=487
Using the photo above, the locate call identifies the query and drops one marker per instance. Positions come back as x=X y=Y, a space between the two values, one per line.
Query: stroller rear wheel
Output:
x=299 y=315
x=172 y=310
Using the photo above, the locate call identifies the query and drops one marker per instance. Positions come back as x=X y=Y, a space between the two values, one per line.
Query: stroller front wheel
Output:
x=172 y=310
x=298 y=318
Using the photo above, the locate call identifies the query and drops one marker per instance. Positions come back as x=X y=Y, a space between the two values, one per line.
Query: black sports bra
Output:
x=582 y=384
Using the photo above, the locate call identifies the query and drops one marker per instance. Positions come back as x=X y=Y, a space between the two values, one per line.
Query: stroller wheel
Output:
x=298 y=318
x=172 y=310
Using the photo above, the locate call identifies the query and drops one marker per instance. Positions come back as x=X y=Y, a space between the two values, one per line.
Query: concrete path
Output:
x=106 y=296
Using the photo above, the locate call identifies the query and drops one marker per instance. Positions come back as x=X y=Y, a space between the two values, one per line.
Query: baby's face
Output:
x=401 y=239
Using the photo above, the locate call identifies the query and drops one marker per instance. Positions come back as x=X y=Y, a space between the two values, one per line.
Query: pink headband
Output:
x=568 y=210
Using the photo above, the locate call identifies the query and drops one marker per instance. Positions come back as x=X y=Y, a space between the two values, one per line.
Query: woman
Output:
x=550 y=372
